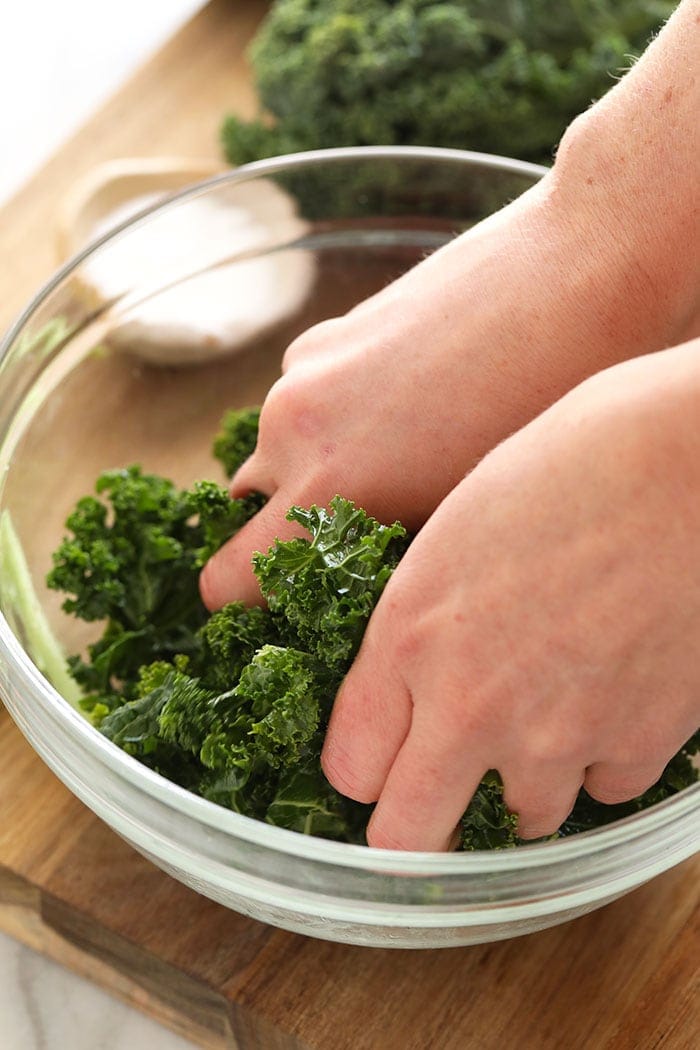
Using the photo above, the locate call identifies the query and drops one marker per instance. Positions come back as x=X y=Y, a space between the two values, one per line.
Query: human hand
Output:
x=545 y=622
x=393 y=403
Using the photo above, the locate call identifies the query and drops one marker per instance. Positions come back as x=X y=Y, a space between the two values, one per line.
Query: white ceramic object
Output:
x=224 y=305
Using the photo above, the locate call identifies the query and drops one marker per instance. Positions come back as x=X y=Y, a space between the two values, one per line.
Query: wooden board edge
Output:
x=28 y=916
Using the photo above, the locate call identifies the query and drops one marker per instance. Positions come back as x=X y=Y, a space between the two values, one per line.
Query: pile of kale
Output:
x=233 y=706
x=501 y=76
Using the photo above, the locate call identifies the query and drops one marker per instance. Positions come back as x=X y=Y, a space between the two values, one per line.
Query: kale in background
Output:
x=499 y=76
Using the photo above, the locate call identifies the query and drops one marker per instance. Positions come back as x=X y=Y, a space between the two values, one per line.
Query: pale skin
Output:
x=543 y=438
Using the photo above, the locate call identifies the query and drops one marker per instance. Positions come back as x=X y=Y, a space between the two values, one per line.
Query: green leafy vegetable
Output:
x=237 y=438
x=234 y=706
x=487 y=824
x=133 y=561
x=326 y=588
x=504 y=78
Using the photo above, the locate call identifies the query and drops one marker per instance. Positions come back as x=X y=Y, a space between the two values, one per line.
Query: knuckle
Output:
x=637 y=748
x=469 y=716
x=319 y=337
x=410 y=644
x=294 y=406
x=552 y=744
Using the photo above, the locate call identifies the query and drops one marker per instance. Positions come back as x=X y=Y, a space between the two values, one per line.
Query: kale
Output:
x=237 y=438
x=234 y=705
x=229 y=641
x=133 y=562
x=468 y=74
x=487 y=823
x=326 y=588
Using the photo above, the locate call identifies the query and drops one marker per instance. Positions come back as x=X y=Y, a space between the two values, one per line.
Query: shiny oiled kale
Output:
x=249 y=704
x=326 y=587
x=487 y=823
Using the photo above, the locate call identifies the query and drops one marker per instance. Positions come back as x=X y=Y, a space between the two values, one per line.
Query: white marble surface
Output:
x=60 y=60
x=44 y=1007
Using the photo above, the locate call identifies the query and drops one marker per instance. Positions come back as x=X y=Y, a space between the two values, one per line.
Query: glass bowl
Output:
x=132 y=353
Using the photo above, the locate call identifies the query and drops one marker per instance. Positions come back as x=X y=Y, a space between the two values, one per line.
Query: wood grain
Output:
x=623 y=978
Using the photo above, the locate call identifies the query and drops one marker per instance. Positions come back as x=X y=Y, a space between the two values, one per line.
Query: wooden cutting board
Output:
x=623 y=978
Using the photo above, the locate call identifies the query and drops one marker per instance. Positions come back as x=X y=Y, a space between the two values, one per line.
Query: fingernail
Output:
x=208 y=584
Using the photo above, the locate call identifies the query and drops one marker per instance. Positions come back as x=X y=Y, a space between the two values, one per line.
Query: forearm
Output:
x=633 y=160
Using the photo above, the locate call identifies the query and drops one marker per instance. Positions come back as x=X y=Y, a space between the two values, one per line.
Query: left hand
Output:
x=545 y=622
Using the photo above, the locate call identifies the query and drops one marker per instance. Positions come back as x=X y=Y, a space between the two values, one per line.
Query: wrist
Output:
x=635 y=242
x=627 y=171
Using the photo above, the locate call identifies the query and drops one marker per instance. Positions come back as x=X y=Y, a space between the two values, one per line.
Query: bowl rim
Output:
x=307 y=847
x=267 y=166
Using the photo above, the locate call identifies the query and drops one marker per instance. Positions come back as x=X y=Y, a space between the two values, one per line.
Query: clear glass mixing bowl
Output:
x=132 y=353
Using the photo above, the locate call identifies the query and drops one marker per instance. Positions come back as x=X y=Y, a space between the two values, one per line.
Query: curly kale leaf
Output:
x=487 y=823
x=237 y=438
x=133 y=561
x=135 y=727
x=228 y=642
x=246 y=710
x=244 y=746
x=305 y=802
x=267 y=719
x=468 y=74
x=326 y=587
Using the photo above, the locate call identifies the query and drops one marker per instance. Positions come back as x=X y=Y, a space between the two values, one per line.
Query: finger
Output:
x=426 y=792
x=613 y=782
x=542 y=796
x=252 y=476
x=228 y=576
x=371 y=717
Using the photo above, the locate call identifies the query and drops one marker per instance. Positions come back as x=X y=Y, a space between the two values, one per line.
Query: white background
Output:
x=59 y=59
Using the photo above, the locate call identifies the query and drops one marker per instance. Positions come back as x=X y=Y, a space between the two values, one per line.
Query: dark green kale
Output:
x=228 y=642
x=487 y=823
x=304 y=801
x=237 y=438
x=326 y=588
x=234 y=706
x=503 y=78
x=133 y=562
